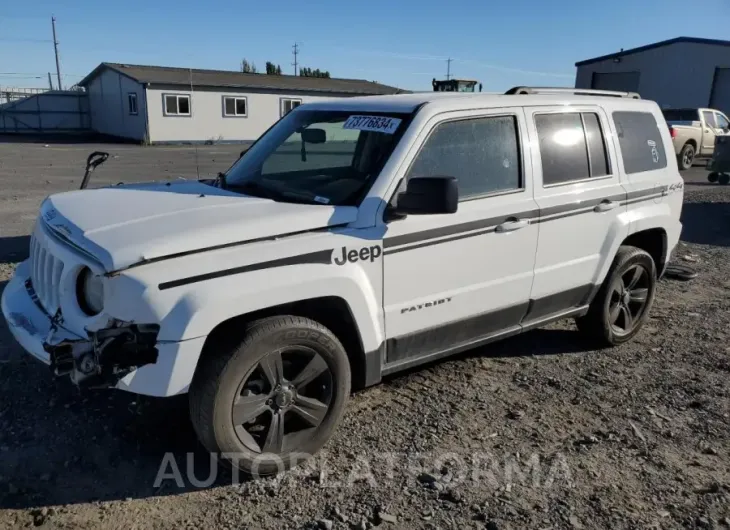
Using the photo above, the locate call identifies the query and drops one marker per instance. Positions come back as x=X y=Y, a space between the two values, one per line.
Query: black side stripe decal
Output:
x=429 y=237
x=452 y=230
x=439 y=241
x=322 y=256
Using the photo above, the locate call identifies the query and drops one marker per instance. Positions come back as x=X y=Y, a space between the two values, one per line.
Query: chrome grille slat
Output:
x=46 y=272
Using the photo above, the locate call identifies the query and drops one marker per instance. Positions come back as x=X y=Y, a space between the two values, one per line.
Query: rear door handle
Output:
x=513 y=224
x=605 y=206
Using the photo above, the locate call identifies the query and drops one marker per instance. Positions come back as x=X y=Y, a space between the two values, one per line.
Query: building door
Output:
x=720 y=96
x=453 y=280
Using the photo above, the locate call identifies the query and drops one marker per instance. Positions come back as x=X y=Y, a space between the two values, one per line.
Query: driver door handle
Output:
x=605 y=206
x=512 y=224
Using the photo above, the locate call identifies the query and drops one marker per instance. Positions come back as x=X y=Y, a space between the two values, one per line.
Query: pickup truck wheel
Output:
x=271 y=401
x=623 y=302
x=686 y=157
x=723 y=179
x=712 y=177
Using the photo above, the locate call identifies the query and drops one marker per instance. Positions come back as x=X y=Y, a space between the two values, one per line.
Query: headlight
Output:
x=90 y=292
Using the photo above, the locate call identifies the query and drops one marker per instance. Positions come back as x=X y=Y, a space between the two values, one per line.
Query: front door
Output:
x=580 y=195
x=455 y=280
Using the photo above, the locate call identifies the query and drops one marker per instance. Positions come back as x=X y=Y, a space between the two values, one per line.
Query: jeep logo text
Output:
x=365 y=253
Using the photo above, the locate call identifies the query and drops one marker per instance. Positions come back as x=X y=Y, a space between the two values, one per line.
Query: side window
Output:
x=641 y=142
x=598 y=157
x=709 y=118
x=722 y=122
x=482 y=153
x=132 y=102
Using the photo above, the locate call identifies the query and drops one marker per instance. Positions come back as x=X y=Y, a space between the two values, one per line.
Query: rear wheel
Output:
x=623 y=302
x=271 y=401
x=686 y=156
x=712 y=177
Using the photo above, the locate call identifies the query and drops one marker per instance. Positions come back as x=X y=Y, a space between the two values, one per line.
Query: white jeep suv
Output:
x=356 y=238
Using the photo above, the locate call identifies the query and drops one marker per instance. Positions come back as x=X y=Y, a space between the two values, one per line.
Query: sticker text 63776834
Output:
x=372 y=123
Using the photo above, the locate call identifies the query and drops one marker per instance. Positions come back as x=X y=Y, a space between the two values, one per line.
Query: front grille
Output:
x=45 y=274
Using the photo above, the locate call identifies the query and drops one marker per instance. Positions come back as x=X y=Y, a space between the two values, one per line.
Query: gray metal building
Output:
x=158 y=104
x=676 y=73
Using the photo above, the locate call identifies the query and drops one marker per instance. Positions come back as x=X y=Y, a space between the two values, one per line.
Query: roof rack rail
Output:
x=576 y=91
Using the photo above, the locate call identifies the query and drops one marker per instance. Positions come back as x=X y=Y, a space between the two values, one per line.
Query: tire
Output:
x=686 y=157
x=243 y=372
x=712 y=177
x=724 y=179
x=598 y=324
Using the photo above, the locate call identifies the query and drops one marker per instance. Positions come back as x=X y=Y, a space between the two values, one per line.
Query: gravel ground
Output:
x=539 y=431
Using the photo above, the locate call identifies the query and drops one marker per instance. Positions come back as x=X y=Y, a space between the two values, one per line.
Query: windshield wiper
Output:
x=280 y=195
x=252 y=188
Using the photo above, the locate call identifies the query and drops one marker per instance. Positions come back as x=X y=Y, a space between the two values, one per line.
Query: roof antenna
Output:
x=197 y=166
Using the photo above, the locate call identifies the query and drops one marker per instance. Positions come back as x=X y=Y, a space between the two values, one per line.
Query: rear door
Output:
x=580 y=196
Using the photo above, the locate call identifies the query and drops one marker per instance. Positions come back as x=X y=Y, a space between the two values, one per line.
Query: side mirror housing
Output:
x=429 y=196
x=314 y=136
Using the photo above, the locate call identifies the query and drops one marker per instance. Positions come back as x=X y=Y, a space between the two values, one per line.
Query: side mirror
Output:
x=314 y=136
x=429 y=196
x=243 y=151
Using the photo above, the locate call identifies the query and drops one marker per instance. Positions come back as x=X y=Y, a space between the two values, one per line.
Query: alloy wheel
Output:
x=628 y=299
x=687 y=158
x=282 y=400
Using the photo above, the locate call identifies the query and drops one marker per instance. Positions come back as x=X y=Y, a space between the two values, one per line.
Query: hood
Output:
x=124 y=225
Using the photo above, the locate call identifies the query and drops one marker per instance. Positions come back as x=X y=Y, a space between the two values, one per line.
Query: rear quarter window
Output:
x=640 y=139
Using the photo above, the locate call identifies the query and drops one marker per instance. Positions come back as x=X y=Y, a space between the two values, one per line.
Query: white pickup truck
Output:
x=693 y=132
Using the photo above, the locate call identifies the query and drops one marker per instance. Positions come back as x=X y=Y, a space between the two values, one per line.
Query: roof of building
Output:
x=640 y=49
x=164 y=75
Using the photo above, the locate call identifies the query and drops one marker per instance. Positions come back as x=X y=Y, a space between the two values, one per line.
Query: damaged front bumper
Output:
x=128 y=357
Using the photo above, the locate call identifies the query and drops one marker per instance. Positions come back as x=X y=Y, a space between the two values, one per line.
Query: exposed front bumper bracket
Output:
x=106 y=357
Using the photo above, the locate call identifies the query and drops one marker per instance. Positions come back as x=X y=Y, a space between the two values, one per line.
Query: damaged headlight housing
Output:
x=90 y=292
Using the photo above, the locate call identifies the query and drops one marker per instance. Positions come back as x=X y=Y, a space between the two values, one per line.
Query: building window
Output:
x=235 y=106
x=176 y=104
x=572 y=147
x=288 y=105
x=482 y=153
x=132 y=102
x=642 y=146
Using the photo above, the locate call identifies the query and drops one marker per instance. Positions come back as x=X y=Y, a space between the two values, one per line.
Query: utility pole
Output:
x=50 y=81
x=295 y=51
x=55 y=49
x=448 y=68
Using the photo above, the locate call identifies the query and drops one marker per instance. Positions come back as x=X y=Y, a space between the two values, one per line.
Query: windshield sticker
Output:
x=323 y=200
x=372 y=123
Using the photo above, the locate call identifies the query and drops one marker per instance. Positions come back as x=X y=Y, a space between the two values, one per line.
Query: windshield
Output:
x=681 y=115
x=318 y=156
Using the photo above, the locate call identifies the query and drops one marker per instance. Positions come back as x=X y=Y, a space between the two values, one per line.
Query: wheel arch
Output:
x=654 y=242
x=333 y=312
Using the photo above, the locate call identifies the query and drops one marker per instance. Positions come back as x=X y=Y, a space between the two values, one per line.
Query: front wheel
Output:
x=712 y=177
x=623 y=302
x=271 y=401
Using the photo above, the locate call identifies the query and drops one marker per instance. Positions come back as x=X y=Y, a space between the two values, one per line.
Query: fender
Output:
x=203 y=306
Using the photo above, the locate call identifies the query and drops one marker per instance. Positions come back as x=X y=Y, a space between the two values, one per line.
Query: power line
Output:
x=14 y=39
